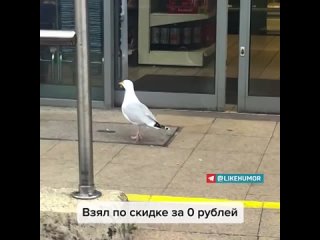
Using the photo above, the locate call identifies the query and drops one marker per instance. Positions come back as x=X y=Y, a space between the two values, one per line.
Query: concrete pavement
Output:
x=205 y=143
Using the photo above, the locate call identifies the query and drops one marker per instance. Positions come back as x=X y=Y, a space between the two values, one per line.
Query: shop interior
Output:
x=180 y=59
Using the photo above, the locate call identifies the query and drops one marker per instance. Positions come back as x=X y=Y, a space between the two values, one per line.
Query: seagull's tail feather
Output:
x=158 y=126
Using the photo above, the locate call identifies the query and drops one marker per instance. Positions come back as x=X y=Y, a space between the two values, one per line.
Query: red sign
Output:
x=211 y=178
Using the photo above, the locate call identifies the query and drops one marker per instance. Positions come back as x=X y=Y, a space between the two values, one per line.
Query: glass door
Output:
x=259 y=56
x=171 y=51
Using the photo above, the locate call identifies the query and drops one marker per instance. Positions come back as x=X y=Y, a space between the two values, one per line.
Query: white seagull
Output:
x=136 y=112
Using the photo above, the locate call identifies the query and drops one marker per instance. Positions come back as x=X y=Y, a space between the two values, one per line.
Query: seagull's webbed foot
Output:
x=134 y=137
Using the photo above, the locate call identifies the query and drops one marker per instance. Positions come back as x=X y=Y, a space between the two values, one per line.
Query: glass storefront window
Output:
x=58 y=64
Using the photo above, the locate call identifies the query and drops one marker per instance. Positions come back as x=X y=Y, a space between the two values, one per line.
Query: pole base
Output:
x=86 y=193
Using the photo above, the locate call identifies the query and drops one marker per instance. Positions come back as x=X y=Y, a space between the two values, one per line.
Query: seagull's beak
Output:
x=121 y=84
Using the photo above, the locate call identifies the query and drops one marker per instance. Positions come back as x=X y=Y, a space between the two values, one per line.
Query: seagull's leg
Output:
x=137 y=136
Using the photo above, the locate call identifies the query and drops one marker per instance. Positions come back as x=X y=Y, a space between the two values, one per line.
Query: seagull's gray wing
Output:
x=139 y=113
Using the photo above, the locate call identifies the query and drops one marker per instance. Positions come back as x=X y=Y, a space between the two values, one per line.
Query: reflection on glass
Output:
x=172 y=46
x=265 y=49
x=58 y=64
x=232 y=69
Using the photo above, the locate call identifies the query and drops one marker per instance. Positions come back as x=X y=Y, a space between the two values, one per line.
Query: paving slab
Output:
x=230 y=143
x=143 y=234
x=249 y=228
x=152 y=155
x=46 y=145
x=276 y=133
x=270 y=164
x=186 y=140
x=274 y=146
x=132 y=175
x=192 y=182
x=270 y=223
x=270 y=189
x=243 y=127
x=212 y=161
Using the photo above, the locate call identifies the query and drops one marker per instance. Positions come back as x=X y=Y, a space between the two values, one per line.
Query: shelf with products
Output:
x=166 y=38
x=180 y=58
x=157 y=19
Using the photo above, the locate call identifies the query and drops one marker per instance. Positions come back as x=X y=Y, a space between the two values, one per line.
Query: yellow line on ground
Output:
x=159 y=198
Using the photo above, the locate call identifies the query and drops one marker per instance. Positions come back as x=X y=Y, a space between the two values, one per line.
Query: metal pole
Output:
x=86 y=178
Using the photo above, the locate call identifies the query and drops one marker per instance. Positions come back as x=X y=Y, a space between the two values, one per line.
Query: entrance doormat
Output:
x=107 y=132
x=175 y=83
